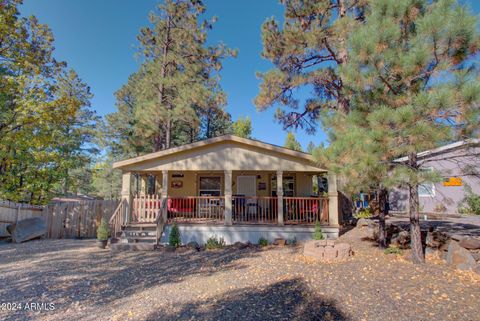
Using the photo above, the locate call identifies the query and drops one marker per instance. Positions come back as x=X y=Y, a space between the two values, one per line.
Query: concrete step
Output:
x=132 y=247
x=141 y=225
x=154 y=238
x=148 y=232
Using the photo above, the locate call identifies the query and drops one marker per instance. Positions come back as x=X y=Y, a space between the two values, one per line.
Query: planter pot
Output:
x=102 y=243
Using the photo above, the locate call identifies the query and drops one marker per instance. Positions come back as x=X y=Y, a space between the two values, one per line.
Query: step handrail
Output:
x=117 y=220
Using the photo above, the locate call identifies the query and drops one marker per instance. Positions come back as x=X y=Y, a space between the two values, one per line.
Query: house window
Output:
x=426 y=189
x=288 y=186
x=210 y=186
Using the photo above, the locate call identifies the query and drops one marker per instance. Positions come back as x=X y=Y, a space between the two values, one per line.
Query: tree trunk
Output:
x=168 y=133
x=382 y=235
x=415 y=232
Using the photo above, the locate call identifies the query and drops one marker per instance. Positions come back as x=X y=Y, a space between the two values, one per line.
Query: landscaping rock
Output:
x=470 y=243
x=436 y=239
x=27 y=229
x=240 y=245
x=327 y=250
x=459 y=257
x=170 y=248
x=476 y=255
x=280 y=242
x=401 y=240
x=193 y=245
x=330 y=253
x=343 y=250
x=362 y=222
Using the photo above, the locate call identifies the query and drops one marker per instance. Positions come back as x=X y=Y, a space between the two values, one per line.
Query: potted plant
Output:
x=102 y=234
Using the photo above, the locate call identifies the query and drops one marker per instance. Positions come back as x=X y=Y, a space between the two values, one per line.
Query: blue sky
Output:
x=98 y=37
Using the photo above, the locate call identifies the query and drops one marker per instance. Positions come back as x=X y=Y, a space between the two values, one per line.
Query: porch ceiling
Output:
x=223 y=153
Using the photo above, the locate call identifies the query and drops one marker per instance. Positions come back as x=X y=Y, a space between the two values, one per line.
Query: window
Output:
x=210 y=186
x=288 y=186
x=426 y=189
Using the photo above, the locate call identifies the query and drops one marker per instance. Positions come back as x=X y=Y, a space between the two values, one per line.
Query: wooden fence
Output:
x=64 y=219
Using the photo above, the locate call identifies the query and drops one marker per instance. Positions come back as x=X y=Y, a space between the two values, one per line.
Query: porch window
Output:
x=210 y=186
x=288 y=186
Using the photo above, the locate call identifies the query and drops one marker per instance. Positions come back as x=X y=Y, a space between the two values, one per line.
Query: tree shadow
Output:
x=286 y=300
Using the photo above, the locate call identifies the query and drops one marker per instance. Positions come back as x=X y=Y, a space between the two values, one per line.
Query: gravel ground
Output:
x=272 y=283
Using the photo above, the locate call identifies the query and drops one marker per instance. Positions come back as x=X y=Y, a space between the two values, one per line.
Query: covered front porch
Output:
x=227 y=181
x=231 y=197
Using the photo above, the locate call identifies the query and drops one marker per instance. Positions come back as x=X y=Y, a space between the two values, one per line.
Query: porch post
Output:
x=164 y=195
x=126 y=194
x=280 y=197
x=228 y=197
x=332 y=200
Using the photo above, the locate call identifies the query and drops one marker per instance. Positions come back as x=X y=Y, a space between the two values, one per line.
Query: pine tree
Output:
x=292 y=143
x=242 y=127
x=413 y=89
x=306 y=54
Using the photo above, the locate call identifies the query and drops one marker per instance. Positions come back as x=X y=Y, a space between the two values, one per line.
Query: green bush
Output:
x=215 y=243
x=103 y=230
x=393 y=250
x=364 y=213
x=174 y=238
x=317 y=234
x=471 y=204
x=262 y=242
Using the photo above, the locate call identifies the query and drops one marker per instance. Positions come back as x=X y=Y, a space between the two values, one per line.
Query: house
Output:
x=236 y=188
x=459 y=166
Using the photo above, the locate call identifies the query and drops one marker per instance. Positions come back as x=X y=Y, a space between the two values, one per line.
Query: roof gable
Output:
x=219 y=153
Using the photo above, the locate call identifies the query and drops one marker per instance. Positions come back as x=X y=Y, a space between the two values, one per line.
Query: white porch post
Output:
x=332 y=200
x=164 y=195
x=228 y=197
x=126 y=194
x=280 y=197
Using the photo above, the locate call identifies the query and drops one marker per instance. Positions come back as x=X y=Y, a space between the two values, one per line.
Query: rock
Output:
x=402 y=240
x=476 y=255
x=193 y=245
x=470 y=243
x=27 y=229
x=459 y=257
x=240 y=245
x=476 y=269
x=436 y=239
x=330 y=242
x=314 y=249
x=280 y=242
x=330 y=253
x=362 y=222
x=371 y=233
x=343 y=250
x=170 y=248
x=184 y=249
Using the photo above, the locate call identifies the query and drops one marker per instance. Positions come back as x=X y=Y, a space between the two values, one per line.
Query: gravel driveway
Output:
x=273 y=283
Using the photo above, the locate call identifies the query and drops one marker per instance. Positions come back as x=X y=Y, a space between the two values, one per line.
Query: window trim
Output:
x=432 y=194
x=212 y=190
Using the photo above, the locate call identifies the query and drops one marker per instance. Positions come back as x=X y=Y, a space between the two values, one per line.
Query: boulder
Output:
x=314 y=249
x=459 y=257
x=240 y=245
x=27 y=229
x=436 y=239
x=470 y=243
x=362 y=222
x=476 y=255
x=193 y=245
x=280 y=242
x=330 y=253
x=343 y=250
x=401 y=240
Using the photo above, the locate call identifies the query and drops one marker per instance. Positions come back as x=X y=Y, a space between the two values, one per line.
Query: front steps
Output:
x=137 y=236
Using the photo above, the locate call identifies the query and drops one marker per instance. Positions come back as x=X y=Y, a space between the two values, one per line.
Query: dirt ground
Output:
x=272 y=283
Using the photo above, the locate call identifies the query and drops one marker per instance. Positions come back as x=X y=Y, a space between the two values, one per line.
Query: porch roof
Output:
x=226 y=152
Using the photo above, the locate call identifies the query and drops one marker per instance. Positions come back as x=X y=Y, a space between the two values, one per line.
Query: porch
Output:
x=231 y=182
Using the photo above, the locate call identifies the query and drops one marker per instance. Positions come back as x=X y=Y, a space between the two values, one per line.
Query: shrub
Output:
x=174 y=238
x=393 y=250
x=317 y=234
x=471 y=204
x=215 y=243
x=364 y=213
x=262 y=242
x=103 y=230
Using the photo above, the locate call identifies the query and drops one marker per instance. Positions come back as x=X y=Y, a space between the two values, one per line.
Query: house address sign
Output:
x=453 y=181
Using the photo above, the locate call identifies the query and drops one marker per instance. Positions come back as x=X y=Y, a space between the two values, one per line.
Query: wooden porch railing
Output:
x=146 y=208
x=118 y=219
x=305 y=210
x=254 y=209
x=196 y=209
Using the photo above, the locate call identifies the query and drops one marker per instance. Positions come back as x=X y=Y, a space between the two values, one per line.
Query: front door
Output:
x=246 y=186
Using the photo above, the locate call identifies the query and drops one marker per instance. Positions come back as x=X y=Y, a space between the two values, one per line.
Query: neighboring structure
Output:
x=458 y=164
x=236 y=188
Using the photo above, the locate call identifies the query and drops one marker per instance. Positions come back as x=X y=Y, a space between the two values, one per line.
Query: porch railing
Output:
x=305 y=210
x=254 y=209
x=200 y=209
x=146 y=208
